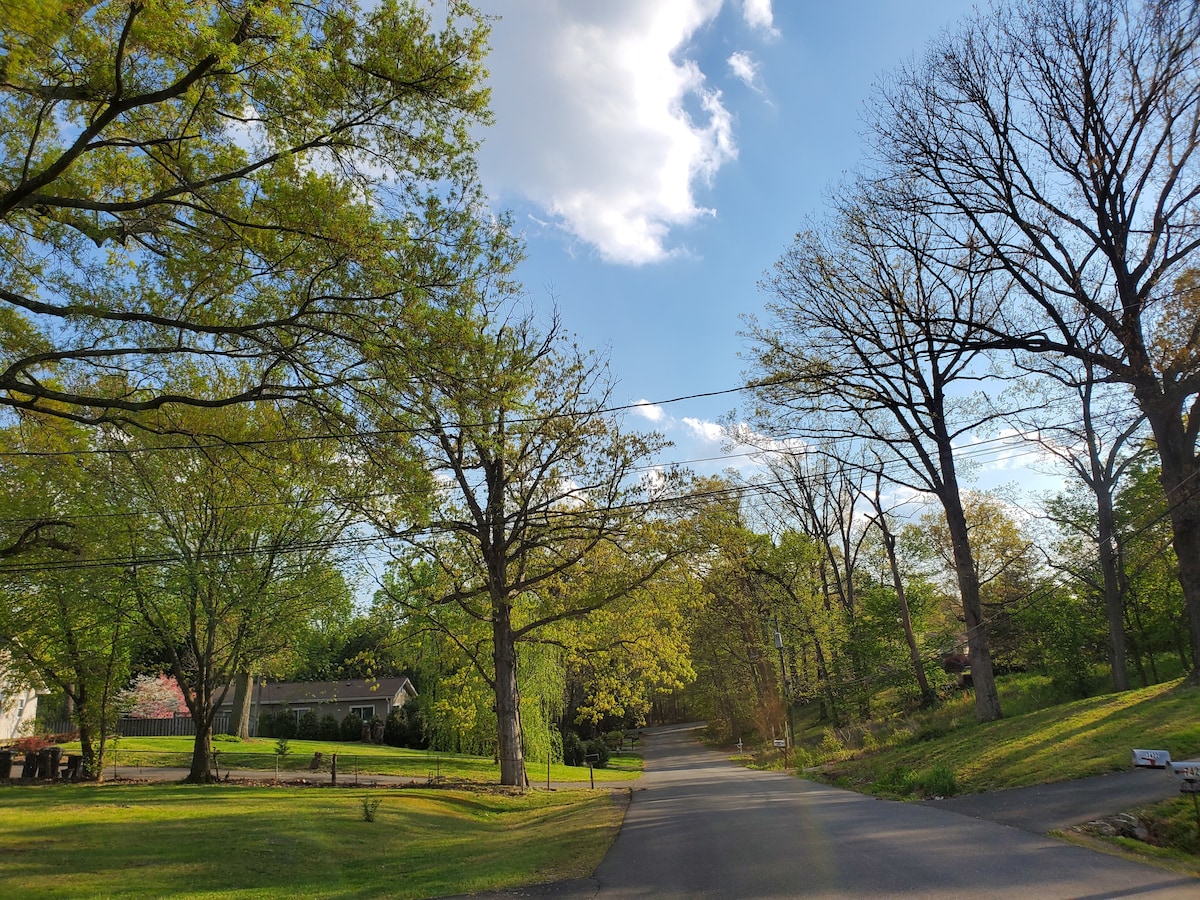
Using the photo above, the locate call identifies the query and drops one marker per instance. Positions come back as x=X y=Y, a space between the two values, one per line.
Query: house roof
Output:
x=292 y=693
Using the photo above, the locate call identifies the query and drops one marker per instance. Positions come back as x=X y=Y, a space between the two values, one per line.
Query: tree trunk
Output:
x=987 y=700
x=239 y=716
x=914 y=653
x=1114 y=600
x=201 y=771
x=1180 y=477
x=1102 y=484
x=508 y=699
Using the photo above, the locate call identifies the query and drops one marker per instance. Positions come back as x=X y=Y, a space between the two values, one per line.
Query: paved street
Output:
x=700 y=826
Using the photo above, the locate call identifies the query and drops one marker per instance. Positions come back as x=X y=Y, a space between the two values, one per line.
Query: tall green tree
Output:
x=253 y=187
x=233 y=548
x=537 y=486
x=65 y=614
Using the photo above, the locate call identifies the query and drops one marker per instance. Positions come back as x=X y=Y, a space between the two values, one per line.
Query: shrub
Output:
x=266 y=724
x=306 y=726
x=406 y=727
x=31 y=744
x=898 y=780
x=614 y=739
x=598 y=749
x=328 y=728
x=352 y=727
x=938 y=782
x=572 y=749
x=285 y=724
x=369 y=807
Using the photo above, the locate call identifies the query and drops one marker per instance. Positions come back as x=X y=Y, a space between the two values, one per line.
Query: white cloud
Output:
x=758 y=15
x=604 y=120
x=648 y=410
x=744 y=68
x=704 y=429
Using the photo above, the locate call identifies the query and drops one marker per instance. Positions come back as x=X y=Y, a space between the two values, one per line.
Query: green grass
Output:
x=1059 y=743
x=368 y=759
x=183 y=841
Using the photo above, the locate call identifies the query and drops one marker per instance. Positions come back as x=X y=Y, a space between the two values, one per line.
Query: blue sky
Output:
x=659 y=156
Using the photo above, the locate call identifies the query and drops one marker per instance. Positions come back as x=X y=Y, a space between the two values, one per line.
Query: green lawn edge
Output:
x=258 y=754
x=183 y=841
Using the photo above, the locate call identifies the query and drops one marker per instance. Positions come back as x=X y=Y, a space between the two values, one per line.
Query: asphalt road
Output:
x=1050 y=807
x=702 y=827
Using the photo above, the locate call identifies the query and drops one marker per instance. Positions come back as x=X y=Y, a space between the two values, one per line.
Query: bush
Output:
x=572 y=749
x=285 y=724
x=614 y=739
x=306 y=727
x=352 y=727
x=328 y=728
x=30 y=744
x=938 y=782
x=899 y=781
x=599 y=749
x=266 y=725
x=406 y=727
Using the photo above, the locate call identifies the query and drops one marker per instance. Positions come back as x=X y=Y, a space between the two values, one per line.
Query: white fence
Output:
x=179 y=726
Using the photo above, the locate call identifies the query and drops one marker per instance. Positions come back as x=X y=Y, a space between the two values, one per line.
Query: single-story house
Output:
x=367 y=697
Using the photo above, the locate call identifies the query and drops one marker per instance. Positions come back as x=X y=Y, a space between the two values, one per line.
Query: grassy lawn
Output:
x=1085 y=737
x=249 y=842
x=368 y=759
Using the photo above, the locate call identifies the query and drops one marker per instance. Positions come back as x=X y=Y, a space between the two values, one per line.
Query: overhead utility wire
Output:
x=1014 y=443
x=730 y=491
x=406 y=430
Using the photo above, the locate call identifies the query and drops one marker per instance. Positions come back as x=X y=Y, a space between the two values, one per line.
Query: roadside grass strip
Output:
x=184 y=841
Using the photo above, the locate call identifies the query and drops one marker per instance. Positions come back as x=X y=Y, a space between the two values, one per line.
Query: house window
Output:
x=299 y=712
x=366 y=713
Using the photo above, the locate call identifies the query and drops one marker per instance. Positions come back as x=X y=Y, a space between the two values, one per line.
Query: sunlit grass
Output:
x=1072 y=740
x=250 y=842
x=258 y=754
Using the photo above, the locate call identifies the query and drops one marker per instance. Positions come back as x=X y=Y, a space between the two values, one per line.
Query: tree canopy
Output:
x=253 y=187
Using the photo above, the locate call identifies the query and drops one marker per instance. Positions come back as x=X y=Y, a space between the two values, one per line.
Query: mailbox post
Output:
x=1190 y=771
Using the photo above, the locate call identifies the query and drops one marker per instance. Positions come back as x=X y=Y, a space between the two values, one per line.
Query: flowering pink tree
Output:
x=153 y=697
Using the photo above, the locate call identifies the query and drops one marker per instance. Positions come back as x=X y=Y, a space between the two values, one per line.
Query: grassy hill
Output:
x=1056 y=743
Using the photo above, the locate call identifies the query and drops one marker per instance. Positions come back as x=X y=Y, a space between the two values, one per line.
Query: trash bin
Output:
x=43 y=764
x=30 y=766
x=55 y=760
x=6 y=763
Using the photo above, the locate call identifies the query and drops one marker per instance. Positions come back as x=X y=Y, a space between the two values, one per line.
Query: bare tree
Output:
x=882 y=522
x=1097 y=449
x=866 y=345
x=818 y=492
x=1064 y=133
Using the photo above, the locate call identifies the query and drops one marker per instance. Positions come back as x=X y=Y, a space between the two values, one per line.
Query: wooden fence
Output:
x=179 y=726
